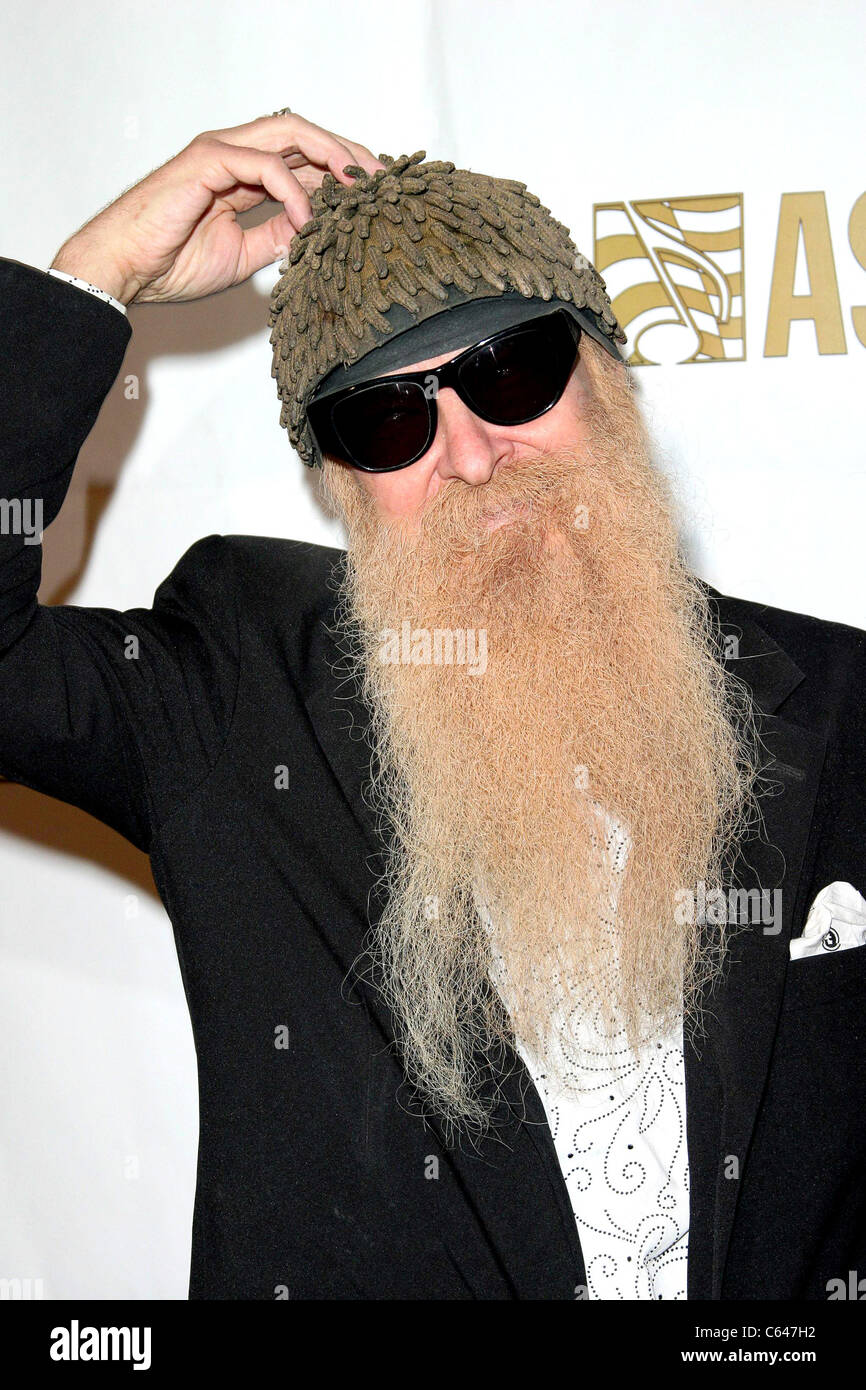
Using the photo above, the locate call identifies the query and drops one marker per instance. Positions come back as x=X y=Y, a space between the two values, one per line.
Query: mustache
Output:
x=541 y=484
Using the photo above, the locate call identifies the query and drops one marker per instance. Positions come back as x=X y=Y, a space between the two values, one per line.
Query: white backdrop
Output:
x=588 y=104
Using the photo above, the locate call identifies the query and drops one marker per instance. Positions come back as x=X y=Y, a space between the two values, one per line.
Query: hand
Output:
x=175 y=235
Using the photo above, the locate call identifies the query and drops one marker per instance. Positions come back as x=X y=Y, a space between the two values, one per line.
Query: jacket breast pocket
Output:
x=816 y=980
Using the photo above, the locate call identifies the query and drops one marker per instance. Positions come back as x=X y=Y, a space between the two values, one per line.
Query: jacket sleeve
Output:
x=120 y=713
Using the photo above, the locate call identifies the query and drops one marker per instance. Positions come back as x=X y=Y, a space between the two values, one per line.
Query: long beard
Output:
x=574 y=677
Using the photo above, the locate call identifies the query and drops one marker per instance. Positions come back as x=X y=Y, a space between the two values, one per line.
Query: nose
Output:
x=466 y=446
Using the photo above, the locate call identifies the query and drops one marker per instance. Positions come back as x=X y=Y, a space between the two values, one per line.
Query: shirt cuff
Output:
x=91 y=289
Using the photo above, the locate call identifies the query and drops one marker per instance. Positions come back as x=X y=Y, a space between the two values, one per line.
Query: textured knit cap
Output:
x=400 y=246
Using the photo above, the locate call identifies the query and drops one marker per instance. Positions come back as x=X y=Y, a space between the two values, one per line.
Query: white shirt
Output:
x=624 y=1158
x=621 y=1143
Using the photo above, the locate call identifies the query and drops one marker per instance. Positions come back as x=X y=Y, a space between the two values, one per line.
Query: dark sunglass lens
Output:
x=384 y=426
x=522 y=375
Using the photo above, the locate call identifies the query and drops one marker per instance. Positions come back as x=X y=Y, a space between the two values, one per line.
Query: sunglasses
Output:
x=510 y=378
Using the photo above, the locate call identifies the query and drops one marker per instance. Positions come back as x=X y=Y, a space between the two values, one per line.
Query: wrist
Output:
x=97 y=271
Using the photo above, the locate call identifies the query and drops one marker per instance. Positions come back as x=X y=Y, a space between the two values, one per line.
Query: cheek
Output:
x=397 y=494
x=565 y=424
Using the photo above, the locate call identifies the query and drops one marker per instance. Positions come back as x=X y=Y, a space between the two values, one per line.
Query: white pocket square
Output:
x=836 y=921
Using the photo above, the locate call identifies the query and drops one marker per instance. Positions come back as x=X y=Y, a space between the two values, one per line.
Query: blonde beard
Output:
x=602 y=693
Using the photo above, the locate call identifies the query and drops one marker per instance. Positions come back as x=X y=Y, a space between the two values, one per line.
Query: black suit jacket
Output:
x=316 y=1176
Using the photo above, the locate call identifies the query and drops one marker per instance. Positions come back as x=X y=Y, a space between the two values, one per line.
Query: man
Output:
x=489 y=844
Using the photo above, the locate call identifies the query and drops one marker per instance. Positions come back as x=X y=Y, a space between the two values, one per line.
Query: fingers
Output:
x=264 y=244
x=279 y=157
x=362 y=156
x=229 y=165
x=299 y=140
x=244 y=197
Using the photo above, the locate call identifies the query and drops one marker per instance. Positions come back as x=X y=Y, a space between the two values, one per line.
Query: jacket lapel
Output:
x=340 y=721
x=726 y=1070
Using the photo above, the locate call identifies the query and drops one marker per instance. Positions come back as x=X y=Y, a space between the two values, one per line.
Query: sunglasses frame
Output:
x=320 y=412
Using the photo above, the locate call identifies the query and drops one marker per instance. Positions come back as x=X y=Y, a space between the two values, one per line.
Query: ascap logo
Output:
x=674 y=270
